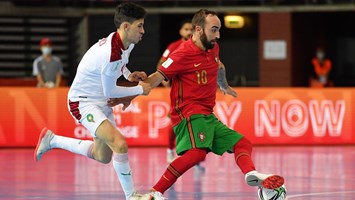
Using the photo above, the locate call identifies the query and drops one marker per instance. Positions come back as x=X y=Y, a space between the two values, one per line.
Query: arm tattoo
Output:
x=221 y=79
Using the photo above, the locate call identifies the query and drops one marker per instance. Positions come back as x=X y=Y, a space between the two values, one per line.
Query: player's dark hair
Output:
x=128 y=12
x=185 y=21
x=199 y=18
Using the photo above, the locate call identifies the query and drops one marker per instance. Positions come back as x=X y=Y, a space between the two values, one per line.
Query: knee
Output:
x=112 y=137
x=120 y=146
x=117 y=143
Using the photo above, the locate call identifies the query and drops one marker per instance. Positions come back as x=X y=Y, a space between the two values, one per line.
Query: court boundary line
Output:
x=318 y=194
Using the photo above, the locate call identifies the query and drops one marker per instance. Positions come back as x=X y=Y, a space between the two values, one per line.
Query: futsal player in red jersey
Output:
x=195 y=71
x=185 y=33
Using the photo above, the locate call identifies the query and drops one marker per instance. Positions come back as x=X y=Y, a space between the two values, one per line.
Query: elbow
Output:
x=107 y=93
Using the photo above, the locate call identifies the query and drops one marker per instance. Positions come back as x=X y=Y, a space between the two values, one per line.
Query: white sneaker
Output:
x=157 y=195
x=170 y=156
x=270 y=181
x=149 y=196
x=137 y=196
x=43 y=144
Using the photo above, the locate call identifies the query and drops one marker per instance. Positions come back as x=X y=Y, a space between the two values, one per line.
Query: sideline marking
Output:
x=319 y=193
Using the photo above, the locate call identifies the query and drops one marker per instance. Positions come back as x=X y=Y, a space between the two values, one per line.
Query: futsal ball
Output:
x=272 y=194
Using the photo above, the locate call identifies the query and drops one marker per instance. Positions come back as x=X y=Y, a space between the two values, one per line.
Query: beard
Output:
x=207 y=44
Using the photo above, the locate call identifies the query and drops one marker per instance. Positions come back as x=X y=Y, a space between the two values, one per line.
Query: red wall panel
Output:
x=264 y=115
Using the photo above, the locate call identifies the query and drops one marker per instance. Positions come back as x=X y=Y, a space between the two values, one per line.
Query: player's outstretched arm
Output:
x=126 y=101
x=154 y=79
x=222 y=81
x=137 y=76
x=147 y=85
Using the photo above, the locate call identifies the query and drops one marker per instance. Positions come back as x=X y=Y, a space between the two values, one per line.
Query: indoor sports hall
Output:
x=299 y=118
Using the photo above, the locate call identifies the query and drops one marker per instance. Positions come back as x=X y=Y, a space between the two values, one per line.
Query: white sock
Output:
x=82 y=147
x=124 y=173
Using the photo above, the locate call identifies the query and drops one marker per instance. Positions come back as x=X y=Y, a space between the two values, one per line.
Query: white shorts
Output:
x=90 y=115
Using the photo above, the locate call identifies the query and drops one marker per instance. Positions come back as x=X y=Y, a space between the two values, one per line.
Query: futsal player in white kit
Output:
x=93 y=85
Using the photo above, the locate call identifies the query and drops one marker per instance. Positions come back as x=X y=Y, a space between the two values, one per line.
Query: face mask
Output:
x=46 y=50
x=320 y=55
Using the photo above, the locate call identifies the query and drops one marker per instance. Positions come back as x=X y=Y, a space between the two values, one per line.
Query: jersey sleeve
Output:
x=166 y=53
x=168 y=50
x=126 y=72
x=111 y=71
x=111 y=90
x=171 y=48
x=174 y=65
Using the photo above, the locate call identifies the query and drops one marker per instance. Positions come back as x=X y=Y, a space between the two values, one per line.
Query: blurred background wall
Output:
x=273 y=48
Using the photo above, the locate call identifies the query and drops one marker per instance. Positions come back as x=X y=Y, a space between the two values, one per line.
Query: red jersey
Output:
x=172 y=47
x=193 y=73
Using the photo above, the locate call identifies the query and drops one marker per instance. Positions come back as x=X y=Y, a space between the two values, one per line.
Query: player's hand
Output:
x=126 y=101
x=230 y=91
x=137 y=76
x=146 y=87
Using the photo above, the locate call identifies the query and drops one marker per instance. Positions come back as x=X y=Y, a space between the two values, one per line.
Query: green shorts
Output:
x=205 y=131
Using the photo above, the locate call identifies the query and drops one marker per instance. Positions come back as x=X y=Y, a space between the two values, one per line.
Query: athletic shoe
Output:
x=136 y=196
x=157 y=195
x=43 y=144
x=273 y=182
x=141 y=197
x=149 y=196
x=268 y=181
x=170 y=156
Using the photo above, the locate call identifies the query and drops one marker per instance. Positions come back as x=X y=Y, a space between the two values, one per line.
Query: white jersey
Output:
x=99 y=70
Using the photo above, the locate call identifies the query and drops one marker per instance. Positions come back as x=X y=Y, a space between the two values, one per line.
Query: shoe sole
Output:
x=273 y=182
x=41 y=136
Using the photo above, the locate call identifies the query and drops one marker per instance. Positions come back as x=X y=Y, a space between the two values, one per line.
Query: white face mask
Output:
x=46 y=50
x=320 y=55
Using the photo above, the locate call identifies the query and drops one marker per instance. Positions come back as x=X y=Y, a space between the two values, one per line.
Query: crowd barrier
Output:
x=267 y=116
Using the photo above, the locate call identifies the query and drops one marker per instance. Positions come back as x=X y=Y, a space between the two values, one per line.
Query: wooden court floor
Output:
x=311 y=173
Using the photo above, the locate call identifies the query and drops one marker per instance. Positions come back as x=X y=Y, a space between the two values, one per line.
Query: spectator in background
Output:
x=47 y=68
x=185 y=33
x=322 y=67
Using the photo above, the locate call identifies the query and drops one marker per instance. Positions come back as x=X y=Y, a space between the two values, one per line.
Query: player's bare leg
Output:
x=108 y=141
x=116 y=142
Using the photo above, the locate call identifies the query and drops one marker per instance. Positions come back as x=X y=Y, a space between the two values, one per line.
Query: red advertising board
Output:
x=264 y=115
